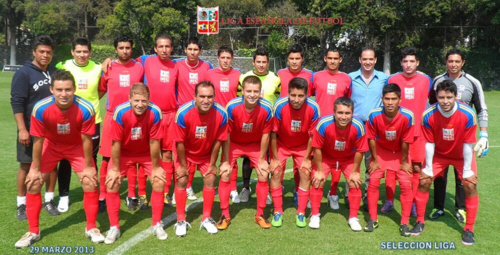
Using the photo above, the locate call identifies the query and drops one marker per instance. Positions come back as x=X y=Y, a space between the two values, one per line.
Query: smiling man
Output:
x=295 y=59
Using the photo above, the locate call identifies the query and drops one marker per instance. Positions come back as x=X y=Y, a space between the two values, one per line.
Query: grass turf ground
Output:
x=244 y=236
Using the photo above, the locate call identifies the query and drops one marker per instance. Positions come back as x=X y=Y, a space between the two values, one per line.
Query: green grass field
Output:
x=244 y=236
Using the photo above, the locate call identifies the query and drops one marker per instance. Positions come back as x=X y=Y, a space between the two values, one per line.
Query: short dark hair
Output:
x=298 y=83
x=81 y=41
x=343 y=101
x=252 y=79
x=367 y=48
x=193 y=40
x=203 y=84
x=455 y=51
x=123 y=38
x=295 y=48
x=62 y=75
x=224 y=48
x=260 y=51
x=332 y=49
x=391 y=88
x=139 y=88
x=43 y=40
x=447 y=86
x=409 y=51
x=164 y=36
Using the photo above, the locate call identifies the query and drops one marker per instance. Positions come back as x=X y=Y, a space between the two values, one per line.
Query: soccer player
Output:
x=339 y=142
x=470 y=92
x=116 y=82
x=296 y=117
x=295 y=58
x=329 y=85
x=201 y=128
x=87 y=74
x=136 y=133
x=29 y=85
x=415 y=87
x=449 y=128
x=250 y=122
x=389 y=130
x=62 y=127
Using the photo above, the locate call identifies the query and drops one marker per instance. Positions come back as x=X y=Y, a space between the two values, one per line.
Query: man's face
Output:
x=297 y=97
x=261 y=63
x=204 y=99
x=81 y=54
x=295 y=62
x=63 y=92
x=446 y=100
x=43 y=55
x=409 y=65
x=391 y=103
x=163 y=48
x=225 y=60
x=343 y=116
x=124 y=51
x=192 y=52
x=333 y=60
x=251 y=93
x=139 y=103
x=454 y=64
x=368 y=60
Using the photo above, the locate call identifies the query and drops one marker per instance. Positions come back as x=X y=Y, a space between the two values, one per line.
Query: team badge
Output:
x=136 y=133
x=448 y=134
x=208 y=20
x=193 y=78
x=201 y=132
x=331 y=88
x=164 y=76
x=247 y=127
x=390 y=135
x=339 y=145
x=63 y=129
x=409 y=93
x=296 y=124
x=224 y=86
x=82 y=83
x=124 y=80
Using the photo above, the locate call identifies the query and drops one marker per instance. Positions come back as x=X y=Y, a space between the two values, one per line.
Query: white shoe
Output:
x=209 y=225
x=95 y=235
x=309 y=203
x=27 y=240
x=354 y=224
x=63 y=205
x=173 y=199
x=269 y=200
x=234 y=197
x=314 y=221
x=181 y=228
x=190 y=194
x=159 y=232
x=112 y=235
x=245 y=194
x=333 y=201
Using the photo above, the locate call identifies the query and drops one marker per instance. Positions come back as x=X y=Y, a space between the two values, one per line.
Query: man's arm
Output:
x=157 y=171
x=306 y=164
x=355 y=176
x=374 y=165
x=24 y=135
x=89 y=170
x=319 y=177
x=224 y=164
x=275 y=162
x=468 y=174
x=405 y=165
x=429 y=156
x=264 y=146
x=113 y=175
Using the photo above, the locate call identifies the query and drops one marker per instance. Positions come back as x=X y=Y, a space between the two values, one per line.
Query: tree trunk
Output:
x=387 y=54
x=11 y=39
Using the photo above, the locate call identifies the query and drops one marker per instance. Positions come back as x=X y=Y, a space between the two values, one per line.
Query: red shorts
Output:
x=167 y=143
x=417 y=150
x=127 y=162
x=390 y=161
x=52 y=154
x=251 y=150
x=297 y=153
x=106 y=141
x=331 y=166
x=202 y=167
x=440 y=164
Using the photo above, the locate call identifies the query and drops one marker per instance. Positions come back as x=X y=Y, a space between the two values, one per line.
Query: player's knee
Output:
x=167 y=156
x=470 y=189
x=425 y=184
x=209 y=180
x=87 y=185
x=158 y=185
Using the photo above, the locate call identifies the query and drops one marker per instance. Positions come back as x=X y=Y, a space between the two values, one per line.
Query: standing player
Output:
x=329 y=85
x=469 y=91
x=339 y=142
x=62 y=127
x=295 y=58
x=29 y=85
x=136 y=134
x=201 y=128
x=250 y=122
x=389 y=130
x=87 y=74
x=450 y=130
x=296 y=117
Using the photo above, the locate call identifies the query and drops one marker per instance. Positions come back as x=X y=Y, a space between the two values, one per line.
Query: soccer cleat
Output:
x=143 y=203
x=269 y=199
x=190 y=194
x=132 y=203
x=21 y=212
x=333 y=200
x=277 y=220
x=371 y=225
x=354 y=224
x=63 y=205
x=209 y=225
x=300 y=220
x=388 y=206
x=404 y=230
x=314 y=221
x=461 y=215
x=181 y=228
x=468 y=238
x=295 y=197
x=263 y=223
x=50 y=207
x=235 y=197
x=413 y=211
x=417 y=228
x=159 y=232
x=102 y=206
x=94 y=235
x=27 y=240
x=223 y=223
x=308 y=204
x=436 y=213
x=166 y=201
x=112 y=235
x=173 y=199
x=245 y=194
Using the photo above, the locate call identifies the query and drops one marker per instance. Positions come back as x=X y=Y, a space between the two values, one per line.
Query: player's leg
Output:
x=333 y=198
x=156 y=199
x=49 y=205
x=235 y=197
x=168 y=166
x=373 y=197
x=141 y=183
x=415 y=180
x=224 y=194
x=63 y=181
x=439 y=195
x=460 y=212
x=132 y=201
x=105 y=151
x=262 y=187
x=246 y=192
x=21 y=190
x=316 y=194
x=406 y=198
x=277 y=185
x=354 y=196
x=182 y=176
x=209 y=175
x=102 y=183
x=166 y=154
x=390 y=188
x=189 y=190
x=471 y=203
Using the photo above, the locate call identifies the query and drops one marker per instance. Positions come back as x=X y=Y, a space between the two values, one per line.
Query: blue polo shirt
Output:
x=367 y=97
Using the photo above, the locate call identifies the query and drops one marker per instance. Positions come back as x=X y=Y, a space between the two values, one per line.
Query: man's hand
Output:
x=472 y=179
x=32 y=177
x=158 y=173
x=24 y=137
x=482 y=146
x=263 y=167
x=374 y=165
x=355 y=178
x=181 y=170
x=113 y=177
x=423 y=175
x=318 y=179
x=106 y=64
x=405 y=166
x=225 y=167
x=91 y=174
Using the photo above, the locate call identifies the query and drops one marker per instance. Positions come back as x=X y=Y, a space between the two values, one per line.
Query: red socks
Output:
x=471 y=205
x=373 y=196
x=91 y=206
x=208 y=201
x=33 y=208
x=102 y=179
x=141 y=179
x=234 y=177
x=169 y=171
x=156 y=206
x=406 y=198
x=277 y=195
x=390 y=184
x=113 y=205
x=303 y=197
x=354 y=202
x=316 y=194
x=224 y=192
x=132 y=180
x=262 y=190
x=421 y=199
x=296 y=177
x=335 y=181
x=180 y=199
x=191 y=170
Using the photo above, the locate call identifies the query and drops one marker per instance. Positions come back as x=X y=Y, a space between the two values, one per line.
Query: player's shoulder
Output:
x=266 y=104
x=380 y=74
x=178 y=60
x=121 y=109
x=325 y=121
x=220 y=109
x=281 y=102
x=407 y=113
x=358 y=124
x=430 y=110
x=439 y=78
x=375 y=112
x=234 y=102
x=154 y=108
x=84 y=104
x=472 y=79
x=312 y=103
x=394 y=76
x=465 y=108
x=281 y=71
x=43 y=104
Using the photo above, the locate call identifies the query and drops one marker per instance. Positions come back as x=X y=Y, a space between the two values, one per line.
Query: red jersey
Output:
x=390 y=134
x=225 y=83
x=199 y=132
x=188 y=77
x=294 y=127
x=449 y=134
x=118 y=80
x=339 y=144
x=286 y=76
x=329 y=87
x=248 y=127
x=62 y=128
x=161 y=78
x=133 y=131
x=414 y=94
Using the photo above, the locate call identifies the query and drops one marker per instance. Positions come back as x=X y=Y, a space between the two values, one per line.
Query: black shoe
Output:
x=371 y=225
x=436 y=213
x=468 y=238
x=21 y=212
x=460 y=214
x=51 y=208
x=143 y=202
x=417 y=228
x=347 y=202
x=365 y=204
x=404 y=230
x=102 y=206
x=132 y=203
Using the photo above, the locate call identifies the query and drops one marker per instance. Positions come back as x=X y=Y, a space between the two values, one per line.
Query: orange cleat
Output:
x=223 y=222
x=263 y=223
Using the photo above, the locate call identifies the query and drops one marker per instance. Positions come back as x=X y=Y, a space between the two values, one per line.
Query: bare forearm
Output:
x=274 y=145
x=115 y=154
x=318 y=158
x=405 y=147
x=37 y=153
x=181 y=154
x=154 y=147
x=87 y=150
x=21 y=125
x=358 y=157
x=264 y=146
x=373 y=148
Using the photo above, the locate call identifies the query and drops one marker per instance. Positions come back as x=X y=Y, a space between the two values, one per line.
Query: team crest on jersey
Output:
x=136 y=133
x=296 y=124
x=208 y=20
x=448 y=134
x=164 y=76
x=201 y=132
x=331 y=88
x=390 y=135
x=63 y=129
x=124 y=80
x=339 y=145
x=224 y=86
x=409 y=93
x=82 y=83
x=193 y=78
x=247 y=127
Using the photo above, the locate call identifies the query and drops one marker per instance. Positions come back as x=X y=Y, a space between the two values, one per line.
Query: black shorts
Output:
x=24 y=154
